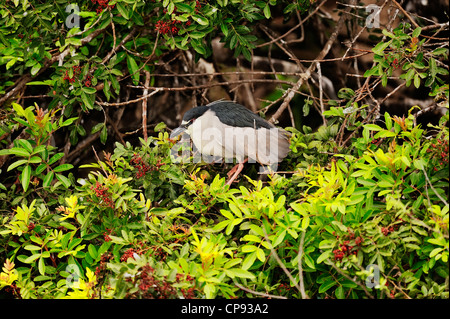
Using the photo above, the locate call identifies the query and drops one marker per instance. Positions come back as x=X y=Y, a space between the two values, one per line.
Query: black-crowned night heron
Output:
x=228 y=130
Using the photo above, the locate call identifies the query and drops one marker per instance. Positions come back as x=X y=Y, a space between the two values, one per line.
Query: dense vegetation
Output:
x=358 y=209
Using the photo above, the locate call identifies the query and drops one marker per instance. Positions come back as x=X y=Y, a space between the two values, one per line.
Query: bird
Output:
x=227 y=130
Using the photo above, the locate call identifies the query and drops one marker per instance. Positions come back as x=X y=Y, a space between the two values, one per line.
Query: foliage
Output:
x=115 y=236
x=408 y=53
x=35 y=35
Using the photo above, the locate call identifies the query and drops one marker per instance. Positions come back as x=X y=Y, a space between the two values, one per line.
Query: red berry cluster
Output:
x=159 y=254
x=88 y=81
x=76 y=72
x=164 y=27
x=188 y=293
x=129 y=254
x=102 y=192
x=138 y=163
x=439 y=151
x=346 y=248
x=173 y=26
x=283 y=288
x=106 y=234
x=100 y=270
x=102 y=4
x=152 y=288
x=198 y=6
x=387 y=230
x=392 y=292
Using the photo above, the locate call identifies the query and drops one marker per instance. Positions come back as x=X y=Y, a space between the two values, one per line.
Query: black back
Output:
x=236 y=115
x=195 y=113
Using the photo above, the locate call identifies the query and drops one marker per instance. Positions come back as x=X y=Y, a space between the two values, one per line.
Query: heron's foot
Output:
x=234 y=172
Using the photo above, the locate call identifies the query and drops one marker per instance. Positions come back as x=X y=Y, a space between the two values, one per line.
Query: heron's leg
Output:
x=234 y=172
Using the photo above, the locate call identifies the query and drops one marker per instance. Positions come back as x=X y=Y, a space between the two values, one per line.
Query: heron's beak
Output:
x=179 y=130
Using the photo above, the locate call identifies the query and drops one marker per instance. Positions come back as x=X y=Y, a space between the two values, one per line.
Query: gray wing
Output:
x=236 y=115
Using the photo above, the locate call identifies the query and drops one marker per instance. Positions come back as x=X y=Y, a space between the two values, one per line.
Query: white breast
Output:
x=214 y=138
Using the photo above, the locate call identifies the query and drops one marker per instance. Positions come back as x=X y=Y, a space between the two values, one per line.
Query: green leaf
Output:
x=32 y=247
x=62 y=168
x=416 y=32
x=197 y=45
x=249 y=260
x=64 y=180
x=88 y=90
x=417 y=80
x=92 y=251
x=224 y=29
x=35 y=160
x=183 y=7
x=388 y=34
x=133 y=68
x=267 y=11
x=380 y=47
x=88 y=102
x=41 y=266
x=35 y=69
x=41 y=168
x=97 y=127
x=324 y=256
x=55 y=158
x=241 y=273
x=388 y=120
x=261 y=255
x=19 y=151
x=17 y=163
x=26 y=145
x=339 y=292
x=200 y=20
x=279 y=238
x=48 y=179
x=384 y=79
x=123 y=11
x=46 y=82
x=197 y=35
x=25 y=177
x=373 y=127
x=327 y=285
x=103 y=135
x=32 y=258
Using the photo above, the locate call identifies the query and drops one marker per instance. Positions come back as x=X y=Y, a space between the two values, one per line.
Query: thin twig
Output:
x=350 y=278
x=144 y=104
x=309 y=71
x=257 y=292
x=156 y=90
x=280 y=262
x=294 y=28
x=322 y=108
x=405 y=13
x=300 y=267
x=209 y=85
x=434 y=190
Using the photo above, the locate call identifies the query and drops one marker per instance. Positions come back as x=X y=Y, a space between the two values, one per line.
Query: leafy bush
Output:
x=381 y=203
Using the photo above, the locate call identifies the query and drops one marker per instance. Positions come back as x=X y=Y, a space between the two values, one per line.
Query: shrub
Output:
x=381 y=203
